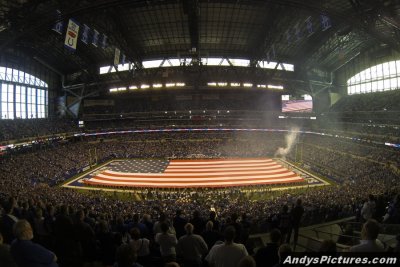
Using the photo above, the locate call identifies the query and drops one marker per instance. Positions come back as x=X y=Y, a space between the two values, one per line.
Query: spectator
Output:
x=369 y=208
x=167 y=242
x=25 y=252
x=172 y=264
x=141 y=246
x=283 y=252
x=296 y=215
x=227 y=254
x=6 y=259
x=328 y=247
x=146 y=220
x=85 y=237
x=210 y=235
x=65 y=245
x=397 y=246
x=247 y=261
x=284 y=222
x=214 y=220
x=107 y=244
x=192 y=247
x=369 y=241
x=179 y=223
x=197 y=222
x=7 y=221
x=348 y=235
x=126 y=257
x=141 y=226
x=268 y=256
x=393 y=214
x=163 y=219
x=39 y=228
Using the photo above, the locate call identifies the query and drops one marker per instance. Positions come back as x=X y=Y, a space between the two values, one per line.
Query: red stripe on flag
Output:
x=203 y=173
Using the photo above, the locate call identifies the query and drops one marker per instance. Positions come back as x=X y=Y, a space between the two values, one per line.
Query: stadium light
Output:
x=144 y=86
x=133 y=87
x=235 y=84
x=113 y=90
x=180 y=84
x=261 y=86
x=212 y=84
x=247 y=85
x=157 y=85
x=122 y=89
x=169 y=84
x=222 y=84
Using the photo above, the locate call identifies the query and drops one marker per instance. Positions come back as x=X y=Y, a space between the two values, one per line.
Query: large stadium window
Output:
x=22 y=96
x=382 y=77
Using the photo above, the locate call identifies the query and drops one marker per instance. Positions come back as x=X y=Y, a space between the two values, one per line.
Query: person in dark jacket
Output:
x=7 y=221
x=29 y=254
x=179 y=224
x=6 y=259
x=296 y=217
x=268 y=256
x=285 y=222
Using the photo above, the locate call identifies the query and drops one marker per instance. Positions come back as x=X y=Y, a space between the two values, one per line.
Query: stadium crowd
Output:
x=20 y=129
x=82 y=228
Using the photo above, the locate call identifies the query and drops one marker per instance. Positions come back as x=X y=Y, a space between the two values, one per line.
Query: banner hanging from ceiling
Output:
x=71 y=36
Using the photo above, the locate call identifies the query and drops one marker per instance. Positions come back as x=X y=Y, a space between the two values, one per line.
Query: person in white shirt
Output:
x=141 y=246
x=227 y=254
x=369 y=241
x=368 y=209
x=192 y=247
x=167 y=243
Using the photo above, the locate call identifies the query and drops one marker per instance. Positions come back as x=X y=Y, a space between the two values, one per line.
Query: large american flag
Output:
x=193 y=173
x=297 y=106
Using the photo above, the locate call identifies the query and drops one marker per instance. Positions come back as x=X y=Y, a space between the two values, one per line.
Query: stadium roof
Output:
x=307 y=33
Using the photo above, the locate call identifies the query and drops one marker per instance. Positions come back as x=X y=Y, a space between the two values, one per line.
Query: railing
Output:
x=311 y=238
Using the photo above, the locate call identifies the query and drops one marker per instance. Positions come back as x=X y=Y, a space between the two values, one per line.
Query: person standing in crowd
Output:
x=126 y=257
x=393 y=213
x=369 y=208
x=6 y=259
x=197 y=222
x=284 y=222
x=214 y=220
x=227 y=254
x=268 y=256
x=84 y=236
x=192 y=247
x=283 y=252
x=369 y=241
x=8 y=220
x=210 y=235
x=296 y=216
x=179 y=223
x=247 y=261
x=25 y=252
x=141 y=246
x=167 y=242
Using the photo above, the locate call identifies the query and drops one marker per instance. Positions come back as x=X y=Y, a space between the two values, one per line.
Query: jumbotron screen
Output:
x=302 y=103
